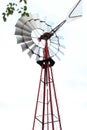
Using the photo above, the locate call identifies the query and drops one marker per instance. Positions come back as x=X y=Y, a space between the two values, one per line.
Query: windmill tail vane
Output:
x=75 y=12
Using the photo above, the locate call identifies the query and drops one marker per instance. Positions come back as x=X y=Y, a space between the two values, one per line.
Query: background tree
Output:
x=12 y=7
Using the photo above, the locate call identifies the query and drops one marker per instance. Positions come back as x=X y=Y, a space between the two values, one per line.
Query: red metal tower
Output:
x=47 y=110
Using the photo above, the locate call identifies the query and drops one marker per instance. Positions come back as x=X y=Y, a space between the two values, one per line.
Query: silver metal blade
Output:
x=38 y=24
x=61 y=37
x=49 y=28
x=62 y=46
x=27 y=45
x=34 y=47
x=22 y=32
x=24 y=19
x=23 y=39
x=58 y=44
x=33 y=24
x=27 y=21
x=43 y=26
x=34 y=20
x=53 y=39
x=61 y=52
x=24 y=47
x=38 y=54
x=30 y=43
x=52 y=53
x=21 y=25
x=30 y=26
x=31 y=52
x=54 y=46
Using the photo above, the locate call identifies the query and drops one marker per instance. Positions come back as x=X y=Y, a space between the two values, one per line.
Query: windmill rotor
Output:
x=32 y=33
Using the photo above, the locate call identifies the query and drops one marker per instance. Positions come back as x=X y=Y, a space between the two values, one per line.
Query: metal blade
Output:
x=22 y=32
x=43 y=25
x=58 y=57
x=54 y=46
x=27 y=45
x=54 y=38
x=58 y=44
x=33 y=24
x=26 y=21
x=34 y=20
x=30 y=26
x=54 y=54
x=23 y=39
x=30 y=43
x=30 y=21
x=21 y=25
x=31 y=52
x=24 y=47
x=61 y=52
x=61 y=37
x=38 y=24
x=49 y=28
x=75 y=12
x=62 y=46
x=38 y=54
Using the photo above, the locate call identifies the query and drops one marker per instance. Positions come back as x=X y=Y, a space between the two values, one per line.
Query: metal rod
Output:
x=47 y=111
x=44 y=93
x=50 y=94
x=37 y=99
x=56 y=101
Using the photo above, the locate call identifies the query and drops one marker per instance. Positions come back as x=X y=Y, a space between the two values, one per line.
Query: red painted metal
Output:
x=46 y=115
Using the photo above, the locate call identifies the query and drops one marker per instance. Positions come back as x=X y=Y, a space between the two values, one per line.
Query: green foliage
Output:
x=12 y=7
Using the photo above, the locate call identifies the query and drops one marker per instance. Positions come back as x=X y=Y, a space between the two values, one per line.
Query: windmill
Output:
x=40 y=39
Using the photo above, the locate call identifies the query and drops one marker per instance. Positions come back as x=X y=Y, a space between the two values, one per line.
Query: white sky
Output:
x=19 y=75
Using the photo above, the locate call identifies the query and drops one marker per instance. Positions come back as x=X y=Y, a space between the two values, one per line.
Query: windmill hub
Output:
x=45 y=36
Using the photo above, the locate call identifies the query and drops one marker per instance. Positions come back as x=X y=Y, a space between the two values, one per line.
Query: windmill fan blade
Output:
x=43 y=25
x=62 y=46
x=75 y=12
x=53 y=53
x=61 y=52
x=38 y=24
x=22 y=32
x=26 y=21
x=23 y=39
x=54 y=46
x=56 y=43
x=34 y=20
x=27 y=45
x=31 y=52
x=38 y=54
x=61 y=37
x=21 y=25
x=24 y=47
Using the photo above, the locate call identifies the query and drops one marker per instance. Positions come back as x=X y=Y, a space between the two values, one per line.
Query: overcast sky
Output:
x=19 y=75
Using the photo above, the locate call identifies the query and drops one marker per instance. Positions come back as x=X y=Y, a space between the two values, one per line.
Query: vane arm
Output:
x=57 y=27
